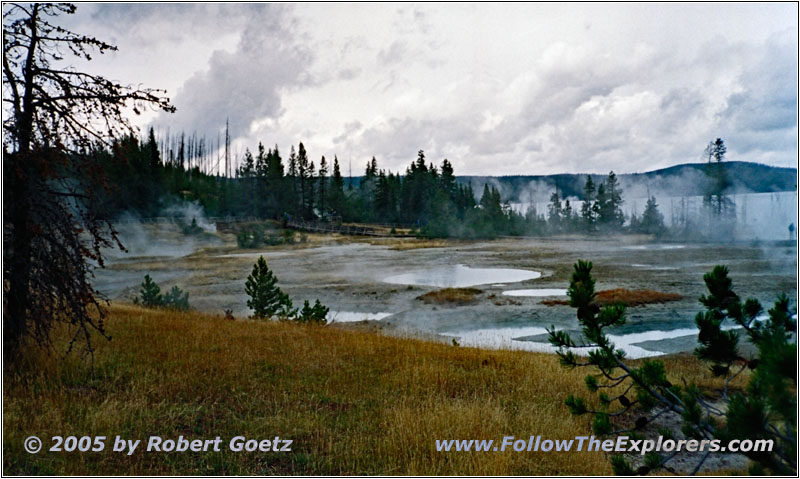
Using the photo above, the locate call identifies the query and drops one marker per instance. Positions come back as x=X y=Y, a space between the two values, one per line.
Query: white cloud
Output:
x=497 y=89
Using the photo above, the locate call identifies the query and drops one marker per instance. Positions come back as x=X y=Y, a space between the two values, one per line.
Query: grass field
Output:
x=352 y=402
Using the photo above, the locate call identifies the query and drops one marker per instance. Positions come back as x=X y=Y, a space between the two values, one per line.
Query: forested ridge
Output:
x=148 y=174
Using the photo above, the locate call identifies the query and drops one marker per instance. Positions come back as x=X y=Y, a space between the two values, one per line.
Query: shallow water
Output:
x=352 y=316
x=460 y=276
x=267 y=254
x=522 y=338
x=654 y=267
x=536 y=293
x=511 y=338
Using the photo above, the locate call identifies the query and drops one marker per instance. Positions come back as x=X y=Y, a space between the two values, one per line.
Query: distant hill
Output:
x=681 y=180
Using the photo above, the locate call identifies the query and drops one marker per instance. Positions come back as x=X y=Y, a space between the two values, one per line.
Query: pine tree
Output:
x=323 y=179
x=310 y=190
x=588 y=211
x=567 y=218
x=554 y=213
x=767 y=412
x=718 y=179
x=150 y=294
x=652 y=222
x=266 y=298
x=176 y=299
x=448 y=179
x=293 y=192
x=382 y=197
x=302 y=175
x=316 y=314
x=609 y=200
x=337 y=197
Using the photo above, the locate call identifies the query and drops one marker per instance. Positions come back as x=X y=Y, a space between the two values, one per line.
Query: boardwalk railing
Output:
x=357 y=230
x=377 y=230
x=183 y=219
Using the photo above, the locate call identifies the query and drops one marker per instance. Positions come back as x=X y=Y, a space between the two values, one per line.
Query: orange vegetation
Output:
x=451 y=295
x=630 y=297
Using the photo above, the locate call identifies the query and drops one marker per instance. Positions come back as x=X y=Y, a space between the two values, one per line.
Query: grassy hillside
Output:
x=353 y=402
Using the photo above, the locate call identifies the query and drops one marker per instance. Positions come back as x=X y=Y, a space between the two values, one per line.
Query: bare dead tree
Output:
x=55 y=118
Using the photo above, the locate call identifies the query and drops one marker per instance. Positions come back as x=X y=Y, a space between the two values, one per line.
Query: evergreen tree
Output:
x=266 y=298
x=274 y=170
x=448 y=179
x=337 y=198
x=767 y=412
x=567 y=219
x=247 y=172
x=293 y=191
x=276 y=197
x=247 y=169
x=322 y=180
x=554 y=213
x=721 y=209
x=652 y=221
x=313 y=314
x=588 y=208
x=176 y=299
x=150 y=293
x=303 y=176
x=718 y=179
x=310 y=190
x=609 y=199
x=382 y=199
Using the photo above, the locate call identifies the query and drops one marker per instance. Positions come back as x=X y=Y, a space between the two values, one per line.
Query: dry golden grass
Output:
x=630 y=297
x=450 y=296
x=353 y=402
x=406 y=244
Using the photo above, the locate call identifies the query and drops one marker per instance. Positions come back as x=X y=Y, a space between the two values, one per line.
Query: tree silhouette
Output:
x=54 y=116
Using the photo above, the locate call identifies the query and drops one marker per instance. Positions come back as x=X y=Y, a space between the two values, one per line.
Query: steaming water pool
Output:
x=352 y=316
x=534 y=338
x=536 y=293
x=460 y=276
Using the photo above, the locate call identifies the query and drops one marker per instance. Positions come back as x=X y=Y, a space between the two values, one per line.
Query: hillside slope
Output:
x=352 y=402
x=680 y=180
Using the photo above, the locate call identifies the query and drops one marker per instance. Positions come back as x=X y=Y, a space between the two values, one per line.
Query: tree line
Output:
x=426 y=197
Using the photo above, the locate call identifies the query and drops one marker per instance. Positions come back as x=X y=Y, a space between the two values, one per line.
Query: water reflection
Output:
x=351 y=316
x=460 y=276
x=536 y=293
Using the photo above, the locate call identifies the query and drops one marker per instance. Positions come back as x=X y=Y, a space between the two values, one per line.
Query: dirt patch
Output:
x=451 y=296
x=502 y=301
x=630 y=297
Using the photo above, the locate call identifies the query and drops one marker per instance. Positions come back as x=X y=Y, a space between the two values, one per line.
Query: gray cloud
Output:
x=508 y=89
x=246 y=84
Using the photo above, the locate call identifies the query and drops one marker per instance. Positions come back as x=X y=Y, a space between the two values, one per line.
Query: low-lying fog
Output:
x=378 y=284
x=759 y=216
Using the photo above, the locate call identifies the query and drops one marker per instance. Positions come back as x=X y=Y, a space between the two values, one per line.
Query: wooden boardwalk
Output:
x=379 y=230
x=343 y=229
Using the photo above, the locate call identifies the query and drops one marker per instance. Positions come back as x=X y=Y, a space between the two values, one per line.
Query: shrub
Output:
x=151 y=297
x=450 y=295
x=313 y=314
x=192 y=229
x=176 y=299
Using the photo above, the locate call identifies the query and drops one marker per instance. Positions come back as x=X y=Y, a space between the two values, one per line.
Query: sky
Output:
x=498 y=89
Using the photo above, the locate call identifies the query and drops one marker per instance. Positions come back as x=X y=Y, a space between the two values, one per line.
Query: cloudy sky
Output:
x=497 y=89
